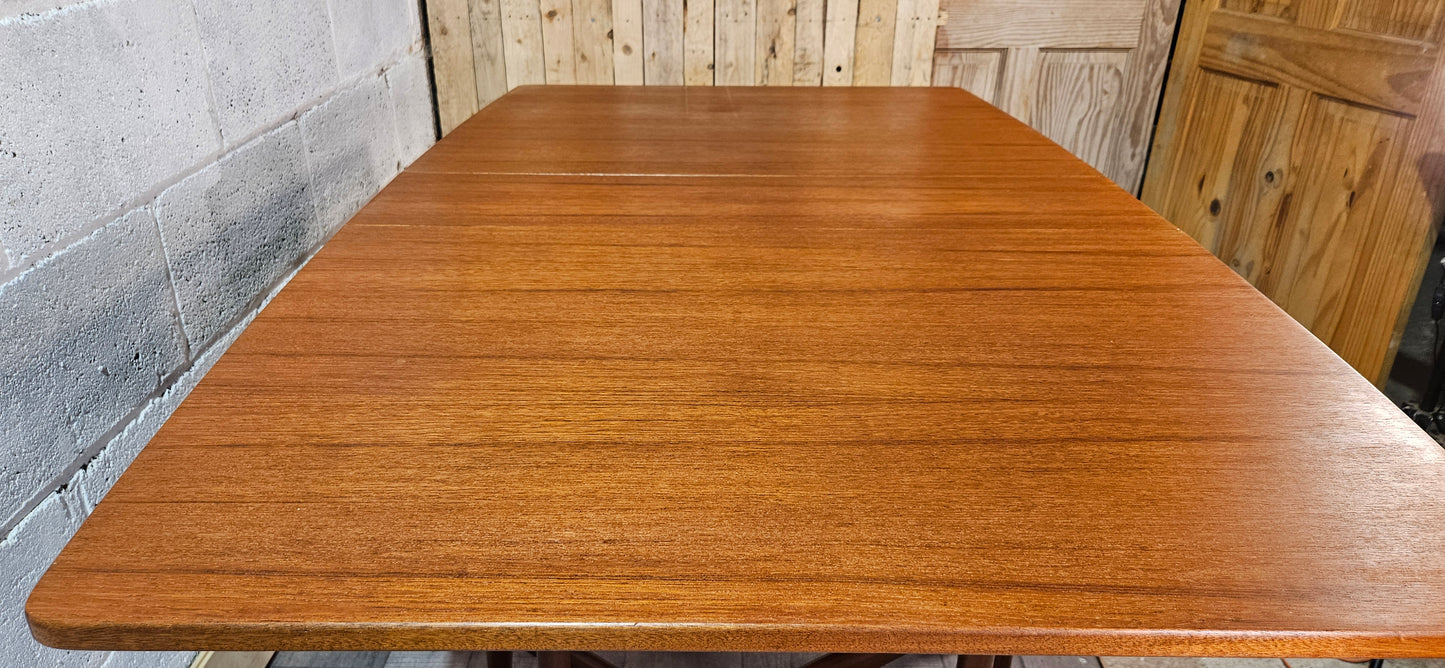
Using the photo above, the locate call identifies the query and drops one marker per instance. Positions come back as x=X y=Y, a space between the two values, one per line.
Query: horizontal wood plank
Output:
x=1061 y=24
x=1373 y=71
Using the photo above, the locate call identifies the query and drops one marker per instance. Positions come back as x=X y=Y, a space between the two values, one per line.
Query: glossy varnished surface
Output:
x=867 y=370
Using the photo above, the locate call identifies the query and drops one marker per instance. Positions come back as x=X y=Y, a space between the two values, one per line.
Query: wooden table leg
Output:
x=554 y=660
x=499 y=660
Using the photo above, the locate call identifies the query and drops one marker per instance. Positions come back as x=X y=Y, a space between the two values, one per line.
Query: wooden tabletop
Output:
x=861 y=370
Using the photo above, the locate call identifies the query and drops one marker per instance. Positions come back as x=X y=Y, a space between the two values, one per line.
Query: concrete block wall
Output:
x=165 y=166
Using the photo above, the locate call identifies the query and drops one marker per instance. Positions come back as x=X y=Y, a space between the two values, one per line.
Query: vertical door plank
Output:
x=1342 y=156
x=1231 y=171
x=1142 y=88
x=914 y=33
x=840 y=33
x=873 y=46
x=627 y=42
x=1321 y=203
x=735 y=30
x=977 y=72
x=487 y=53
x=1411 y=19
x=1204 y=165
x=1410 y=223
x=808 y=44
x=1317 y=13
x=697 y=42
x=1187 y=46
x=557 y=50
x=1077 y=101
x=450 y=26
x=1020 y=82
x=1260 y=178
x=1286 y=9
x=522 y=45
x=776 y=29
x=592 y=40
x=662 y=38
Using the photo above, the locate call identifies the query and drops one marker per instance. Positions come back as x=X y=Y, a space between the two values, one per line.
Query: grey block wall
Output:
x=165 y=166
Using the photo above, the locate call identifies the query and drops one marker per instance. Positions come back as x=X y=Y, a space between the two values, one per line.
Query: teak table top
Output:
x=858 y=370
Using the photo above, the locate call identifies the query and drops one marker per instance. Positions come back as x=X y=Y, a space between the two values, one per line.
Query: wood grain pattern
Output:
x=558 y=50
x=913 y=38
x=1387 y=74
x=1243 y=142
x=1412 y=218
x=1299 y=148
x=1061 y=24
x=977 y=72
x=488 y=53
x=1143 y=85
x=1088 y=74
x=1020 y=84
x=449 y=24
x=663 y=29
x=776 y=30
x=592 y=40
x=522 y=43
x=1410 y=19
x=843 y=43
x=805 y=145
x=625 y=405
x=1077 y=101
x=628 y=25
x=873 y=42
x=808 y=43
x=735 y=36
x=1173 y=111
x=1358 y=149
x=839 y=39
x=697 y=42
x=1284 y=9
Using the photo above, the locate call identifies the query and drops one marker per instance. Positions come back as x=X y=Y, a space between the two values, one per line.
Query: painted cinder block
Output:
x=266 y=58
x=26 y=552
x=112 y=460
x=351 y=148
x=103 y=101
x=89 y=334
x=411 y=103
x=234 y=228
x=11 y=9
x=370 y=33
x=149 y=660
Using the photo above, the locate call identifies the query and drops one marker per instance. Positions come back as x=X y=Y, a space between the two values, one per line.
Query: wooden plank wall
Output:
x=1296 y=144
x=1087 y=73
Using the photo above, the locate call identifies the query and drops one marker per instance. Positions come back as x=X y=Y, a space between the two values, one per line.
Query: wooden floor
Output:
x=748 y=660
